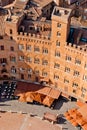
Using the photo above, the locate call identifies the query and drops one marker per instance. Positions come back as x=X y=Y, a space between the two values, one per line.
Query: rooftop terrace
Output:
x=36 y=27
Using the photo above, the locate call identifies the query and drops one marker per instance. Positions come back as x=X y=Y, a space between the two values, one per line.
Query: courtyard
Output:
x=60 y=108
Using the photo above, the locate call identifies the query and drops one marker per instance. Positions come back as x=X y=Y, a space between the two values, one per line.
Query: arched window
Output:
x=44 y=73
x=12 y=58
x=13 y=69
x=36 y=60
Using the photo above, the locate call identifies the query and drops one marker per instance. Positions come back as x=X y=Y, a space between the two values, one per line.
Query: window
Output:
x=13 y=69
x=37 y=72
x=29 y=76
x=36 y=49
x=12 y=48
x=11 y=37
x=67 y=69
x=21 y=58
x=22 y=69
x=76 y=73
x=85 y=77
x=56 y=65
x=82 y=95
x=57 y=54
x=36 y=60
x=66 y=81
x=22 y=76
x=58 y=34
x=66 y=89
x=31 y=28
x=29 y=59
x=2 y=47
x=3 y=60
x=21 y=46
x=74 y=91
x=44 y=74
x=77 y=61
x=10 y=31
x=85 y=66
x=45 y=50
x=75 y=85
x=57 y=43
x=83 y=90
x=28 y=47
x=68 y=58
x=44 y=62
x=58 y=25
x=12 y=59
x=56 y=76
x=30 y=71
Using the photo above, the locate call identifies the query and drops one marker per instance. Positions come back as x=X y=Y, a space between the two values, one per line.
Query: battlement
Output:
x=74 y=46
x=21 y=34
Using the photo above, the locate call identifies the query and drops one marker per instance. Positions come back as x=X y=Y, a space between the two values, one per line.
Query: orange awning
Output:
x=22 y=98
x=79 y=103
x=65 y=95
x=84 y=126
x=28 y=99
x=48 y=101
x=83 y=111
x=44 y=90
x=54 y=93
x=38 y=98
x=75 y=123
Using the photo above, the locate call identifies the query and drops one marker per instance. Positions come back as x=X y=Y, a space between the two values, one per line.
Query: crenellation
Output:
x=75 y=46
x=69 y=44
x=25 y=34
x=33 y=36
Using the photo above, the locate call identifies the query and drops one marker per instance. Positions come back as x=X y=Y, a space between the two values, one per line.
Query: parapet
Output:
x=36 y=36
x=61 y=13
x=79 y=48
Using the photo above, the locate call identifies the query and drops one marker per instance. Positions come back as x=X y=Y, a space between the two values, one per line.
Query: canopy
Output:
x=48 y=101
x=83 y=111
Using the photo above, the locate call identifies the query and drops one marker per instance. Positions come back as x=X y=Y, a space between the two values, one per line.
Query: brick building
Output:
x=5 y=2
x=46 y=47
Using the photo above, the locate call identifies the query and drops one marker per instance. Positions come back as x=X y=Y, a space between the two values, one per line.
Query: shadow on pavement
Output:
x=59 y=103
x=4 y=105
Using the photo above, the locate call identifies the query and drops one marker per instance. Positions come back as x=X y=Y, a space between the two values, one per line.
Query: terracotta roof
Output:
x=21 y=4
x=84 y=127
x=79 y=103
x=83 y=111
x=43 y=3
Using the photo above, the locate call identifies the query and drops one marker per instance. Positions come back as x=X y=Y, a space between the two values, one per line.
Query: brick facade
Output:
x=50 y=58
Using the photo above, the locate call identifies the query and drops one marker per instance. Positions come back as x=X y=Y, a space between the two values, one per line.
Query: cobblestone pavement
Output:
x=60 y=107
